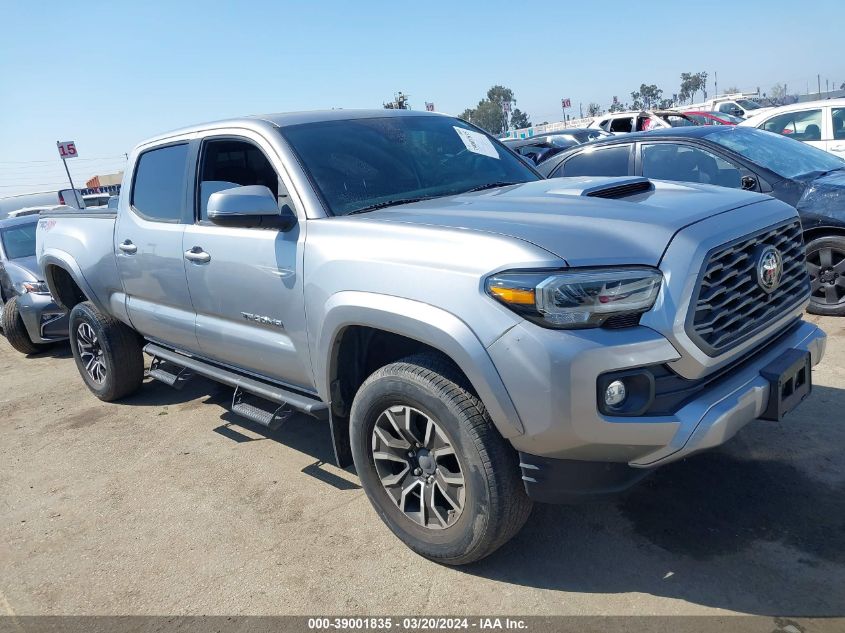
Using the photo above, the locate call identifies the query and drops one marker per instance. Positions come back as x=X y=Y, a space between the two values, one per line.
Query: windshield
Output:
x=359 y=163
x=19 y=241
x=748 y=104
x=782 y=155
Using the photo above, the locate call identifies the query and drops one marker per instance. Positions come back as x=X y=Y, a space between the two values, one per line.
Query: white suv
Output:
x=817 y=123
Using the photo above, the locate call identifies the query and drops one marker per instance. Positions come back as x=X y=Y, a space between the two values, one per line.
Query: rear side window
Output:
x=159 y=190
x=612 y=161
x=805 y=125
x=622 y=124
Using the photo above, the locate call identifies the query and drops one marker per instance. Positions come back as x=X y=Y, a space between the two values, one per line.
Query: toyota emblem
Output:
x=769 y=268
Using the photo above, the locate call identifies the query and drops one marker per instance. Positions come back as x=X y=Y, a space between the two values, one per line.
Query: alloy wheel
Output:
x=418 y=467
x=827 y=275
x=90 y=352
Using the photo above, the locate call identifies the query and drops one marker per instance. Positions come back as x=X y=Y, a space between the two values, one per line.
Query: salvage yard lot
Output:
x=167 y=503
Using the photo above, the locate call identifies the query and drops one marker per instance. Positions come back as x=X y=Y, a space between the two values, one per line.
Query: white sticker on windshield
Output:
x=477 y=142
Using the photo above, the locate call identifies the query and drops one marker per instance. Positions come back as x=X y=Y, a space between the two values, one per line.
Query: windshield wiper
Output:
x=389 y=203
x=491 y=185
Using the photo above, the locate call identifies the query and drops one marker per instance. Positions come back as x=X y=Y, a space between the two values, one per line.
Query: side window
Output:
x=612 y=161
x=622 y=124
x=227 y=164
x=805 y=125
x=670 y=161
x=158 y=192
x=728 y=107
x=838 y=121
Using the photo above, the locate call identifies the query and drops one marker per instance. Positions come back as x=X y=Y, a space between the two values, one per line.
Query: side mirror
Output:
x=749 y=183
x=249 y=206
x=738 y=112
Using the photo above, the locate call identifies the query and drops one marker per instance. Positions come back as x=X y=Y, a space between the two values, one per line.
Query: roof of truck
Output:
x=285 y=119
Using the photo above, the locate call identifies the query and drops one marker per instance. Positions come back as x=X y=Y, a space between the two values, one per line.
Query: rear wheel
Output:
x=433 y=465
x=107 y=353
x=826 y=265
x=15 y=330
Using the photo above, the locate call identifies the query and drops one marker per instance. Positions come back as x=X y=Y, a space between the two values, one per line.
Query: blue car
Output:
x=28 y=315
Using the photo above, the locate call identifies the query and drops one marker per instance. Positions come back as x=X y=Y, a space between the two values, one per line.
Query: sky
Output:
x=109 y=74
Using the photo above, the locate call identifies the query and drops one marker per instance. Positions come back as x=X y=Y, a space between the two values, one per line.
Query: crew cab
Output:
x=477 y=337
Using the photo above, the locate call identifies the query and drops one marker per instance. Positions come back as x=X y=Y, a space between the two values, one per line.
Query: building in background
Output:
x=106 y=183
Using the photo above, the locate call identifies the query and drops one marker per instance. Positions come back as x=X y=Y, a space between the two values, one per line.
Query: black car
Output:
x=807 y=178
x=28 y=316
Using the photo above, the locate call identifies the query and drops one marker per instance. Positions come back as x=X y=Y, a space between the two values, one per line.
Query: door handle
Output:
x=197 y=255
x=838 y=148
x=128 y=247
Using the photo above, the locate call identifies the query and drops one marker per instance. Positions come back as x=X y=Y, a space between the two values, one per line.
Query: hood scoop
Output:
x=600 y=187
x=627 y=187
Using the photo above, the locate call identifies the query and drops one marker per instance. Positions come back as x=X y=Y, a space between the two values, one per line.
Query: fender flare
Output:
x=421 y=322
x=61 y=259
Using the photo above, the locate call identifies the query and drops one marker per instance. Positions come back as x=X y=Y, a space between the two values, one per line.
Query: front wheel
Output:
x=433 y=466
x=107 y=352
x=15 y=330
x=826 y=265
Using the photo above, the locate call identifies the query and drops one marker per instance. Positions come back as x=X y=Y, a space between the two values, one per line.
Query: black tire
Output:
x=15 y=330
x=826 y=264
x=116 y=348
x=495 y=503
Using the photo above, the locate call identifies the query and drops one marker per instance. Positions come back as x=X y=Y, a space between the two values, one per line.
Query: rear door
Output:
x=148 y=247
x=250 y=310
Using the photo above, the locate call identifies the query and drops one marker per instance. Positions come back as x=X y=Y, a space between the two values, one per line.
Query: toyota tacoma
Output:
x=477 y=338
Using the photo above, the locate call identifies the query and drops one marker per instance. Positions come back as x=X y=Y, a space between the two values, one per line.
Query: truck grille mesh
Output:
x=730 y=306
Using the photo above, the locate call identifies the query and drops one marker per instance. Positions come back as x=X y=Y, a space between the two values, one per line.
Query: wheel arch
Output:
x=66 y=282
x=354 y=321
x=824 y=230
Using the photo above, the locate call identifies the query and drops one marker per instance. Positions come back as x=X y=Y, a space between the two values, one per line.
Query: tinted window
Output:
x=670 y=161
x=19 y=241
x=358 y=163
x=804 y=125
x=227 y=164
x=622 y=124
x=612 y=161
x=730 y=107
x=159 y=190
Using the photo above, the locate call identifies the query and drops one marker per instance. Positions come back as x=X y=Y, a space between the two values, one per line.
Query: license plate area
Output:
x=790 y=381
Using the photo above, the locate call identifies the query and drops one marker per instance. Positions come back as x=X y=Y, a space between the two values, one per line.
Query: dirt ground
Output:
x=168 y=504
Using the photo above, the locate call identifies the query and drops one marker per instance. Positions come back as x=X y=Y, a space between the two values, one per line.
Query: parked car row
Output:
x=478 y=337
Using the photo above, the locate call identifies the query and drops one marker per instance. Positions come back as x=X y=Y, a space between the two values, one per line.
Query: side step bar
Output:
x=281 y=396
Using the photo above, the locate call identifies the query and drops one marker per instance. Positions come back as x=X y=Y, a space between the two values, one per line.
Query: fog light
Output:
x=615 y=393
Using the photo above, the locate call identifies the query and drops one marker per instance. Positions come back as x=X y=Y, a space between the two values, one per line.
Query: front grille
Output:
x=729 y=305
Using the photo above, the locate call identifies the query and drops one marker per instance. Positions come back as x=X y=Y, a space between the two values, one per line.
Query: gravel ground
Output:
x=167 y=504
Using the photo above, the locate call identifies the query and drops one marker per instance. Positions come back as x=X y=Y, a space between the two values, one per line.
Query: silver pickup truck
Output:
x=477 y=337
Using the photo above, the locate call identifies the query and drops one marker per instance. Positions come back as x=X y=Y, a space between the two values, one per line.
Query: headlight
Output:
x=577 y=298
x=35 y=287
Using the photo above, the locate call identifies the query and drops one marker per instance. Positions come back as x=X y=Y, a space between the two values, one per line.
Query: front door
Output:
x=247 y=285
x=148 y=246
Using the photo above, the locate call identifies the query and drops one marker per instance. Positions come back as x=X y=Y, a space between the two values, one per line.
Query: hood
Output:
x=824 y=195
x=557 y=216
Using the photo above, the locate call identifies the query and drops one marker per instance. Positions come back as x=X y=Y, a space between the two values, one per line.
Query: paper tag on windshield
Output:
x=477 y=142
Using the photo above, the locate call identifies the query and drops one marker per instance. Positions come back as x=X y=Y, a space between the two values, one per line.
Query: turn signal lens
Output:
x=513 y=295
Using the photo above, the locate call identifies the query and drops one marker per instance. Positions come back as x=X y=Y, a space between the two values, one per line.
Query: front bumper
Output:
x=44 y=320
x=552 y=381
